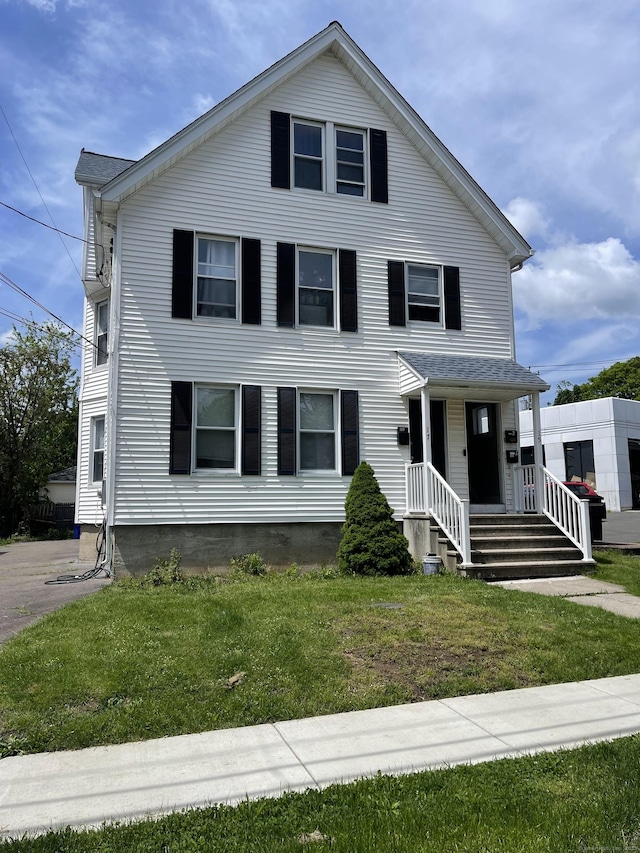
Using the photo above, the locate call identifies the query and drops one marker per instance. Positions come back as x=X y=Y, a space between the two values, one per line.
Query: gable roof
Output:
x=98 y=169
x=334 y=40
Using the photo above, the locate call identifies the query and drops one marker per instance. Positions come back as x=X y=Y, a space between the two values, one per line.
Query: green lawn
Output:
x=135 y=663
x=569 y=802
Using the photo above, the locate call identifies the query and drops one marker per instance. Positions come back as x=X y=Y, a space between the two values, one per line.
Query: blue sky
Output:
x=538 y=99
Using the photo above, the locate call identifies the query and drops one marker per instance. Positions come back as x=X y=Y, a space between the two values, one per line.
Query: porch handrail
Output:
x=414 y=485
x=450 y=512
x=568 y=512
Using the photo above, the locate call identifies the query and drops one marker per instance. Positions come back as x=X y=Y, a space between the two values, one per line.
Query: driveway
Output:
x=24 y=568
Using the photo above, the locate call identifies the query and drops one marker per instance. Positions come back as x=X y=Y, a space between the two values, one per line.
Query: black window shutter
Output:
x=286 y=284
x=280 y=150
x=251 y=282
x=251 y=429
x=395 y=273
x=452 y=313
x=182 y=281
x=348 y=290
x=180 y=437
x=287 y=431
x=379 y=172
x=350 y=432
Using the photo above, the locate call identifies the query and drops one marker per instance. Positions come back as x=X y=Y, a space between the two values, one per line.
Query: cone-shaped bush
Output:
x=371 y=542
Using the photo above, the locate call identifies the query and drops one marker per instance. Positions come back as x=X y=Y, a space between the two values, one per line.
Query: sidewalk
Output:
x=133 y=780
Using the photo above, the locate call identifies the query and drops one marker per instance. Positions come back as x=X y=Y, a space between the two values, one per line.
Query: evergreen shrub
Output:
x=371 y=542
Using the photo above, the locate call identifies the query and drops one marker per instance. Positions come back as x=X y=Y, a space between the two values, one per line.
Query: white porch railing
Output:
x=558 y=503
x=428 y=491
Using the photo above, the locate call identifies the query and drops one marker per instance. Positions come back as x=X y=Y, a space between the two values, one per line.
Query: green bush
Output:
x=371 y=542
x=165 y=572
x=249 y=564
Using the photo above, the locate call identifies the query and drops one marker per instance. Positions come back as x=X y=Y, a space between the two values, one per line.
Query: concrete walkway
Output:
x=581 y=590
x=130 y=781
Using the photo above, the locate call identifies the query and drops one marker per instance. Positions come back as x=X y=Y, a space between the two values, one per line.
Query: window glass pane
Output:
x=350 y=139
x=350 y=173
x=216 y=407
x=216 y=258
x=423 y=281
x=316 y=308
x=215 y=449
x=307 y=139
x=315 y=269
x=98 y=466
x=351 y=189
x=102 y=319
x=316 y=411
x=216 y=298
x=308 y=174
x=317 y=451
x=98 y=434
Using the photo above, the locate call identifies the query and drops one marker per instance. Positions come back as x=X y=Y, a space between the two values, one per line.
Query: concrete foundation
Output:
x=417 y=532
x=137 y=548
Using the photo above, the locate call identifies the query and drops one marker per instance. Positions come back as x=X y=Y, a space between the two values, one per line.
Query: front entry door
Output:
x=482 y=453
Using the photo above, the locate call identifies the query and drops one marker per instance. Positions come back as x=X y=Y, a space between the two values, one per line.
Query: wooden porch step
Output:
x=523 y=555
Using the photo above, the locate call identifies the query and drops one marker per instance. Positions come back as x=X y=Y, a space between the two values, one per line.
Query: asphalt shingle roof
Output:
x=98 y=168
x=501 y=371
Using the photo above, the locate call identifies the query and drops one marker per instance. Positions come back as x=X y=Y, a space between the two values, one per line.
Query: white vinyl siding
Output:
x=423 y=221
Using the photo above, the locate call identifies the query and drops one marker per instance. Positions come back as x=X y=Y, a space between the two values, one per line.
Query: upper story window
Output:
x=423 y=292
x=350 y=163
x=102 y=332
x=308 y=155
x=315 y=288
x=215 y=428
x=322 y=156
x=97 y=450
x=217 y=292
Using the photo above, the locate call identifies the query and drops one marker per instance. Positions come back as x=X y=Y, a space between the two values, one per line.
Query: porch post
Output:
x=537 y=452
x=425 y=403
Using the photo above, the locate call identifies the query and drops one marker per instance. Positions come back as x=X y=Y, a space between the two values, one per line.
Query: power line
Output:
x=38 y=191
x=44 y=224
x=4 y=278
x=33 y=324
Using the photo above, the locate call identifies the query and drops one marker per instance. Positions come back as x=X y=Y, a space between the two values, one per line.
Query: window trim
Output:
x=337 y=439
x=322 y=159
x=365 y=162
x=97 y=450
x=101 y=354
x=334 y=288
x=440 y=306
x=235 y=469
x=237 y=279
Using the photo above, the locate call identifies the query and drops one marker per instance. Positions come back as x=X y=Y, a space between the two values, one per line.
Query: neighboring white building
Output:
x=61 y=487
x=595 y=440
x=302 y=278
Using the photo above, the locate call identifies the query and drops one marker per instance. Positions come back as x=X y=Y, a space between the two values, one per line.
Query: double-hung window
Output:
x=216 y=425
x=350 y=162
x=97 y=450
x=217 y=291
x=423 y=292
x=317 y=431
x=308 y=158
x=316 y=287
x=102 y=332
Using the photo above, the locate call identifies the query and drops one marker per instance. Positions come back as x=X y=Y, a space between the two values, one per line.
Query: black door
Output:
x=482 y=453
x=634 y=466
x=438 y=434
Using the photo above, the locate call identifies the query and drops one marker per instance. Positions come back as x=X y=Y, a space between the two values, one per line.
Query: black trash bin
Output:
x=597 y=507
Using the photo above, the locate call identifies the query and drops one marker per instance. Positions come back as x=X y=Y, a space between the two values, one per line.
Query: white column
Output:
x=537 y=451
x=425 y=404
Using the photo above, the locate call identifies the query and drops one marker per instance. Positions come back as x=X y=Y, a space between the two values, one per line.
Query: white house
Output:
x=302 y=278
x=595 y=440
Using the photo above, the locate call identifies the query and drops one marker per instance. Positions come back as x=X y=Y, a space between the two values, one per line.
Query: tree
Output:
x=371 y=542
x=622 y=379
x=38 y=417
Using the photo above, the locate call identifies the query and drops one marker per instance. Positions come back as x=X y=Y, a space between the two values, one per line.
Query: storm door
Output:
x=438 y=434
x=482 y=453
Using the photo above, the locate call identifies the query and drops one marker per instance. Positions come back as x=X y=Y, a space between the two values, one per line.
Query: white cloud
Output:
x=43 y=5
x=527 y=217
x=579 y=281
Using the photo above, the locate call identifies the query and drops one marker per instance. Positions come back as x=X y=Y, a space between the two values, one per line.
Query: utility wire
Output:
x=38 y=191
x=4 y=278
x=44 y=224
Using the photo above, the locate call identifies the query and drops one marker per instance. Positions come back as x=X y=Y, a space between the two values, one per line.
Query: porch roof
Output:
x=456 y=375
